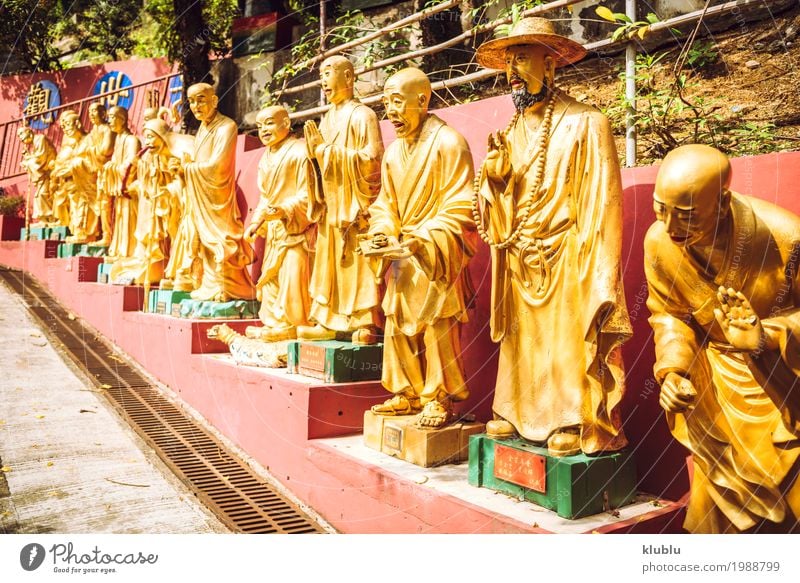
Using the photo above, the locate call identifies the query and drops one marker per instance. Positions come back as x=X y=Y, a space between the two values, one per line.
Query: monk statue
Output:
x=118 y=173
x=62 y=183
x=286 y=181
x=210 y=189
x=156 y=179
x=548 y=202
x=423 y=205
x=38 y=157
x=723 y=272
x=89 y=192
x=347 y=150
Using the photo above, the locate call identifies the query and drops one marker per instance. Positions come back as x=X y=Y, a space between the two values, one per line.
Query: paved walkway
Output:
x=69 y=463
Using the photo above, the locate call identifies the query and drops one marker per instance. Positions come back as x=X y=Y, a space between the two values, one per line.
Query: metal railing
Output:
x=11 y=147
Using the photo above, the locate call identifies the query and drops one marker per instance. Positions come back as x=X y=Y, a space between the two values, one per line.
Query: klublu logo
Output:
x=31 y=556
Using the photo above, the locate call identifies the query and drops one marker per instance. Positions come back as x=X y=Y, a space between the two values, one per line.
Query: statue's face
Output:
x=336 y=84
x=96 y=113
x=273 y=126
x=117 y=121
x=153 y=141
x=690 y=218
x=26 y=136
x=69 y=125
x=526 y=67
x=405 y=108
x=203 y=104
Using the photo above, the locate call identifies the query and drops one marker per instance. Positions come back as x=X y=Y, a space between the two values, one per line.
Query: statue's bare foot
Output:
x=165 y=284
x=500 y=429
x=397 y=405
x=220 y=297
x=434 y=415
x=563 y=443
x=267 y=334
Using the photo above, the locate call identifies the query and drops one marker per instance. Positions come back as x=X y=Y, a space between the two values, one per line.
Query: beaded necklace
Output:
x=540 y=154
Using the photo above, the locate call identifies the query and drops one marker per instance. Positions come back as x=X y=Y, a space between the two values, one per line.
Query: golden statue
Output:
x=88 y=196
x=38 y=158
x=424 y=205
x=118 y=174
x=61 y=180
x=724 y=283
x=210 y=184
x=286 y=181
x=548 y=201
x=347 y=149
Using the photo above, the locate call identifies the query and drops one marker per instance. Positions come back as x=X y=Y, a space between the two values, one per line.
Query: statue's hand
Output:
x=739 y=322
x=251 y=232
x=273 y=213
x=498 y=158
x=313 y=137
x=678 y=394
x=175 y=166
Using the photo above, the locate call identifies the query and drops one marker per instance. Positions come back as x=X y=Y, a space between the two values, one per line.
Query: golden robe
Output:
x=344 y=295
x=37 y=162
x=210 y=183
x=61 y=182
x=119 y=172
x=87 y=195
x=558 y=307
x=426 y=193
x=285 y=179
x=744 y=430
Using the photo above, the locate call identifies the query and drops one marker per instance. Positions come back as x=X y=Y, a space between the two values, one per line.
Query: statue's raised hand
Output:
x=739 y=322
x=313 y=137
x=498 y=158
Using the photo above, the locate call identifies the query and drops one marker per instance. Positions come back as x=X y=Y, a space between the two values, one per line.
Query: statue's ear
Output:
x=349 y=78
x=725 y=199
x=422 y=99
x=550 y=66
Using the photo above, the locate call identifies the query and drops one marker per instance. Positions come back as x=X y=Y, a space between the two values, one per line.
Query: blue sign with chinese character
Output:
x=42 y=95
x=118 y=82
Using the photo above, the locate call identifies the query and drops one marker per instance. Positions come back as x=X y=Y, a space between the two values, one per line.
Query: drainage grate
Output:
x=241 y=499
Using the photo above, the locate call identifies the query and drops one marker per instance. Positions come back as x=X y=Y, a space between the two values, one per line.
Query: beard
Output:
x=523 y=99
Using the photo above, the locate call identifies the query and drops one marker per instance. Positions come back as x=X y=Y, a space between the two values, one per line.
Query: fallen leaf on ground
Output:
x=127 y=484
x=40 y=416
x=5 y=469
x=71 y=316
x=49 y=464
x=104 y=386
x=86 y=411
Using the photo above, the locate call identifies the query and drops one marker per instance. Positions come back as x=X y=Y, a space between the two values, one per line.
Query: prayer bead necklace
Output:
x=536 y=185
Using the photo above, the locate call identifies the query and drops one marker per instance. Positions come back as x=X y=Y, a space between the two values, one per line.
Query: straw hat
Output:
x=159 y=127
x=531 y=31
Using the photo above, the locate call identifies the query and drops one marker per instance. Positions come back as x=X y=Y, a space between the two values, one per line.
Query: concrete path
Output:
x=69 y=463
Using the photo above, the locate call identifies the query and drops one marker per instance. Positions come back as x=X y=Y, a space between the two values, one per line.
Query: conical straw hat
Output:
x=530 y=31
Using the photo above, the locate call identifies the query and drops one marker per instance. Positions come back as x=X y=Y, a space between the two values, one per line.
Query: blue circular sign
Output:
x=115 y=81
x=42 y=95
x=175 y=89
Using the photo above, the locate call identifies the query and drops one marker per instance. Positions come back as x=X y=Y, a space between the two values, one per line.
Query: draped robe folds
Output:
x=743 y=432
x=122 y=164
x=211 y=193
x=37 y=163
x=558 y=307
x=87 y=164
x=61 y=182
x=426 y=193
x=285 y=179
x=344 y=295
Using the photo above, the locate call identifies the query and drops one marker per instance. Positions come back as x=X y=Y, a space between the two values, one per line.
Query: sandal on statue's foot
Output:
x=397 y=405
x=434 y=415
x=500 y=429
x=564 y=443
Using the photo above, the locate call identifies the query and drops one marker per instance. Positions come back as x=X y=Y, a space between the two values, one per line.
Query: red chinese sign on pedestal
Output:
x=520 y=467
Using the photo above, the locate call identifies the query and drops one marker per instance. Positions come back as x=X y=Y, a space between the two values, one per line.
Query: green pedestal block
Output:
x=81 y=250
x=573 y=486
x=241 y=309
x=166 y=301
x=334 y=361
x=103 y=272
x=35 y=234
x=58 y=233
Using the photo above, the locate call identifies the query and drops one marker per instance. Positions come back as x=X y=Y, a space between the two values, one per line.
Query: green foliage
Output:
x=515 y=13
x=28 y=33
x=627 y=27
x=668 y=114
x=12 y=206
x=701 y=55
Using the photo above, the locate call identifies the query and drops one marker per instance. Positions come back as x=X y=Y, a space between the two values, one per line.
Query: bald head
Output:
x=202 y=101
x=406 y=96
x=691 y=196
x=273 y=125
x=338 y=77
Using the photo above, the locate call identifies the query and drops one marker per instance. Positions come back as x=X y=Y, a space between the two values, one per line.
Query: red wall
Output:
x=74 y=84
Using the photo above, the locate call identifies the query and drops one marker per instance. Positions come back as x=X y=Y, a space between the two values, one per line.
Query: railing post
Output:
x=630 y=91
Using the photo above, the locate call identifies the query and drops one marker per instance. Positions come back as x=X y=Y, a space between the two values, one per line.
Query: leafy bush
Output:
x=12 y=206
